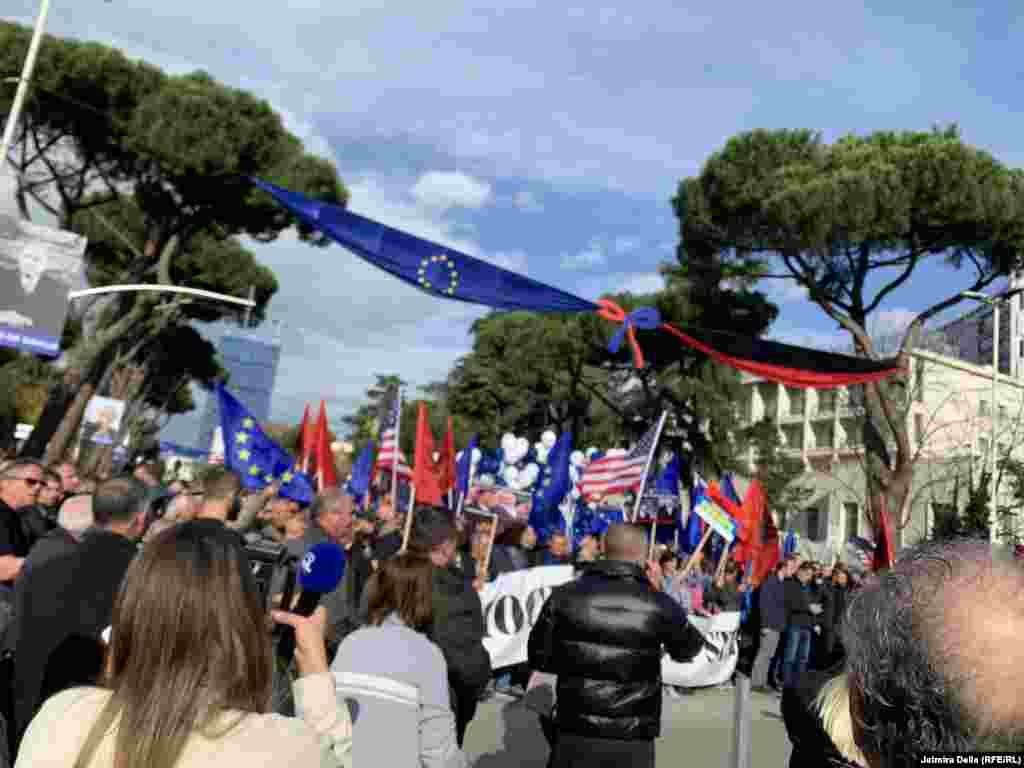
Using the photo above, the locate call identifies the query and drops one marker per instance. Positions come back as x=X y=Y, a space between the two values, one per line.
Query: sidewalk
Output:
x=696 y=730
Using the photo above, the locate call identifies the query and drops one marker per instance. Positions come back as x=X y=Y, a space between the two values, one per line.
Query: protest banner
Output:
x=717 y=518
x=512 y=604
x=38 y=268
x=102 y=420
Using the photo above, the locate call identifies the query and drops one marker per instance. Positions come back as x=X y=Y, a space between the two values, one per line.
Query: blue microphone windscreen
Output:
x=322 y=567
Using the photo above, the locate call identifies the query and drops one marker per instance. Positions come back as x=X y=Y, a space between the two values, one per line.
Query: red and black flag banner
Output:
x=785 y=363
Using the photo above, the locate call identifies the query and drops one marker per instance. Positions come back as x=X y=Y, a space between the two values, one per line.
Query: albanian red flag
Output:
x=751 y=517
x=327 y=475
x=425 y=476
x=448 y=460
x=885 y=555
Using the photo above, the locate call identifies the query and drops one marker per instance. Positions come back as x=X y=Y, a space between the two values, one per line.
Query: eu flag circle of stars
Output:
x=435 y=271
x=244 y=454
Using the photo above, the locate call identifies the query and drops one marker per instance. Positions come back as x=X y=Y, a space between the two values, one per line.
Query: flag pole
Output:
x=469 y=487
x=398 y=449
x=408 y=519
x=490 y=548
x=647 y=466
x=693 y=558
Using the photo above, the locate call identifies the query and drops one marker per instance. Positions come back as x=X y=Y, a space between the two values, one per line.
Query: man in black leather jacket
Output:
x=603 y=635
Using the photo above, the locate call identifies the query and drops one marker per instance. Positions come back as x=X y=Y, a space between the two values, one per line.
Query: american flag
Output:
x=617 y=474
x=388 y=441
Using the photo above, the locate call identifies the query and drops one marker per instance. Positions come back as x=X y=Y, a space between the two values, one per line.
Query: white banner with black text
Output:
x=512 y=603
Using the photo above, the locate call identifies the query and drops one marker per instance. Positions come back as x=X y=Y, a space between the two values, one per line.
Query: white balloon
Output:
x=458 y=456
x=486 y=481
x=510 y=475
x=531 y=471
x=477 y=455
x=549 y=439
x=508 y=440
x=577 y=459
x=523 y=447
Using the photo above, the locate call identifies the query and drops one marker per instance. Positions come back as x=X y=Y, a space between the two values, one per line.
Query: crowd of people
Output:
x=122 y=600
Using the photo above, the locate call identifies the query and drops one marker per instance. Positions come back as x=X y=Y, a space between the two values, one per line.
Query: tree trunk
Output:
x=63 y=437
x=57 y=403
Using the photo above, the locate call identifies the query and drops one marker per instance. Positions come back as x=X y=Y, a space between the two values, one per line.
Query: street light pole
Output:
x=26 y=75
x=994 y=302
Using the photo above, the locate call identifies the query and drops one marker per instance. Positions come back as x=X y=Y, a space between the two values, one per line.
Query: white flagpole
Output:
x=647 y=466
x=398 y=449
x=408 y=518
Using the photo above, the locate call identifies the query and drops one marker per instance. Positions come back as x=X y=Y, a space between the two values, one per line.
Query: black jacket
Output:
x=604 y=635
x=458 y=630
x=68 y=603
x=798 y=604
x=834 y=600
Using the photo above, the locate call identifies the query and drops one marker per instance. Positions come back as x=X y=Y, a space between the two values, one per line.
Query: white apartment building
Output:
x=949 y=420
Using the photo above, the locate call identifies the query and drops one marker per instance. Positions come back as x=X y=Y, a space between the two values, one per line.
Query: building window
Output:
x=814 y=524
x=983 y=446
x=796 y=401
x=852 y=512
x=826 y=400
x=855 y=394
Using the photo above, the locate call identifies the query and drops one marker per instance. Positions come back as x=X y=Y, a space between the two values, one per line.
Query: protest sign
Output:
x=717 y=518
x=102 y=420
x=38 y=268
x=512 y=604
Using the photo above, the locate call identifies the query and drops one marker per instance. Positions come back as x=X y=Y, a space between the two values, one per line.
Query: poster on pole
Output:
x=102 y=420
x=717 y=518
x=39 y=266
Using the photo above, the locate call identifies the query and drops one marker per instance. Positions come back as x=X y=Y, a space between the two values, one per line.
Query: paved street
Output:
x=696 y=730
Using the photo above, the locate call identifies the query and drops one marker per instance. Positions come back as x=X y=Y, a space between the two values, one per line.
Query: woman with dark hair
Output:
x=514 y=549
x=188 y=674
x=393 y=645
x=834 y=598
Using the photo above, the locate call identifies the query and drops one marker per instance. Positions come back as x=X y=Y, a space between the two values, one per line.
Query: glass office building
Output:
x=251 y=357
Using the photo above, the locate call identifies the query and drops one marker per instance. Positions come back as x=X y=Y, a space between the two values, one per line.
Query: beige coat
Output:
x=321 y=736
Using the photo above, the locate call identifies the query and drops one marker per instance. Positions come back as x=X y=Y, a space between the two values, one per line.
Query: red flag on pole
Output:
x=425 y=474
x=751 y=517
x=326 y=474
x=448 y=460
x=885 y=555
x=770 y=552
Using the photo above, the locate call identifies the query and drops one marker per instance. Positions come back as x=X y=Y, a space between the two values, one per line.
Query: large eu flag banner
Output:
x=257 y=459
x=431 y=267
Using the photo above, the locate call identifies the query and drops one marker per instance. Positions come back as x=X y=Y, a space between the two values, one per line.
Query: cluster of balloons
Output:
x=517 y=464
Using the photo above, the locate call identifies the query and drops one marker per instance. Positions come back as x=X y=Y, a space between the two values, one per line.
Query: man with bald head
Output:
x=603 y=635
x=934 y=655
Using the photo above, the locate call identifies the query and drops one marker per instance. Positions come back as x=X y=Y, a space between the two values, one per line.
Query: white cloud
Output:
x=621 y=282
x=441 y=190
x=783 y=291
x=594 y=255
x=891 y=320
x=525 y=201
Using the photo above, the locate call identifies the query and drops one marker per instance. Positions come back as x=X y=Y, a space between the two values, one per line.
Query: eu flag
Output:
x=257 y=459
x=360 y=482
x=555 y=484
x=431 y=267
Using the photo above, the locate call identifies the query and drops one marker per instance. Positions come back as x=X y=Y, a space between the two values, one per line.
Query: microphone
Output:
x=320 y=572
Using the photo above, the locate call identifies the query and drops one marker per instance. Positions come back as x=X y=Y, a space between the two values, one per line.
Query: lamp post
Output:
x=993 y=302
x=26 y=75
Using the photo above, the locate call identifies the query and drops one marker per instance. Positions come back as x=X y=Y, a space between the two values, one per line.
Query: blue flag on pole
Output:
x=689 y=538
x=464 y=467
x=667 y=482
x=789 y=545
x=431 y=267
x=361 y=472
x=553 y=486
x=257 y=459
x=729 y=490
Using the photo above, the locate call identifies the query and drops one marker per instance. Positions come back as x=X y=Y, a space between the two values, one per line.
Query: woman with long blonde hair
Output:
x=188 y=674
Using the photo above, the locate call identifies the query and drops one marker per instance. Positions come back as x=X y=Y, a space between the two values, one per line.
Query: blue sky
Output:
x=551 y=139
